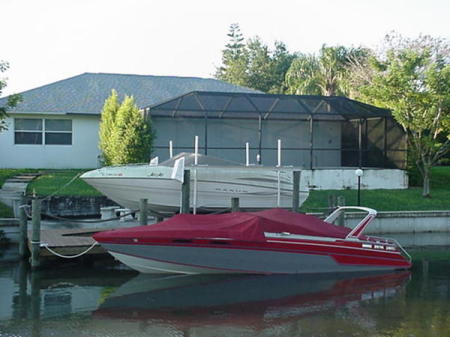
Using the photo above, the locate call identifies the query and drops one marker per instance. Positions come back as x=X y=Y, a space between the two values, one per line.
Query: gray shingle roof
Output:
x=86 y=93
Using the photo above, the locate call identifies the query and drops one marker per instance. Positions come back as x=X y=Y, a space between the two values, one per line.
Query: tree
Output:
x=326 y=74
x=412 y=78
x=281 y=62
x=254 y=64
x=131 y=137
x=259 y=65
x=107 y=125
x=234 y=58
x=301 y=78
x=12 y=100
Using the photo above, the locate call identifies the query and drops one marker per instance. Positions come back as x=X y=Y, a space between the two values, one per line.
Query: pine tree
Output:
x=234 y=58
x=132 y=137
x=107 y=124
x=253 y=64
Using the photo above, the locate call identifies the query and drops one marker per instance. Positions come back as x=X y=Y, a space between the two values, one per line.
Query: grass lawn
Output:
x=391 y=200
x=54 y=181
x=8 y=173
x=383 y=200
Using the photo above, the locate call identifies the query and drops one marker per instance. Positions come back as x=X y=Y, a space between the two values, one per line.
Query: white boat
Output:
x=213 y=183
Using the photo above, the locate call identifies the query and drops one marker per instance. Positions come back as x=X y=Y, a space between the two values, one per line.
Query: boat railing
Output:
x=393 y=242
x=403 y=250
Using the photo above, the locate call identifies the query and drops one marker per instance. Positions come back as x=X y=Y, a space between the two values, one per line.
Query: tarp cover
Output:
x=237 y=226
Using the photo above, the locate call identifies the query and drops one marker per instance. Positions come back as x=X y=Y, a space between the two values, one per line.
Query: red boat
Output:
x=274 y=241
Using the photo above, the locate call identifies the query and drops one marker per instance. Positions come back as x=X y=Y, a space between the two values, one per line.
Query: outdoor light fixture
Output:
x=359 y=173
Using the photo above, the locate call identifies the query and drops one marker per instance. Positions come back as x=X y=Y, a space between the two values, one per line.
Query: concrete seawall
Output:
x=404 y=222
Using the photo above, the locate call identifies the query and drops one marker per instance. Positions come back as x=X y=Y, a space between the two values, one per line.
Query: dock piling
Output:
x=23 y=229
x=143 y=212
x=235 y=205
x=296 y=191
x=185 y=192
x=36 y=232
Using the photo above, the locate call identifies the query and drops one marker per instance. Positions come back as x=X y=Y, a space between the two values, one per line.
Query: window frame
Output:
x=43 y=131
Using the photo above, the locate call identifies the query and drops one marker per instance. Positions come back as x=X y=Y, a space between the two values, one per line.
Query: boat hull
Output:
x=256 y=188
x=254 y=259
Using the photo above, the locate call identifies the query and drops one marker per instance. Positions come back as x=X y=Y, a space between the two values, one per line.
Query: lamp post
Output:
x=359 y=173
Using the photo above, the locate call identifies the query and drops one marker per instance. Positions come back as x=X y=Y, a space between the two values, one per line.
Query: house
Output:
x=56 y=125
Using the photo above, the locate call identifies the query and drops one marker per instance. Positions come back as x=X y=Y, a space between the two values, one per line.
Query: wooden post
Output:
x=143 y=212
x=185 y=192
x=341 y=218
x=295 y=191
x=36 y=232
x=235 y=205
x=23 y=231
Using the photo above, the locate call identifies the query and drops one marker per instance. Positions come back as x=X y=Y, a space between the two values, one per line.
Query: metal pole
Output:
x=206 y=134
x=360 y=144
x=385 y=143
x=23 y=234
x=196 y=150
x=359 y=191
x=170 y=149
x=278 y=188
x=143 y=212
x=311 y=142
x=247 y=154
x=36 y=232
x=194 y=204
x=185 y=192
x=235 y=205
x=260 y=140
x=296 y=191
x=279 y=152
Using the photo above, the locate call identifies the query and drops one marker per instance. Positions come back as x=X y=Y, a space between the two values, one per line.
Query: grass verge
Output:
x=55 y=181
x=391 y=200
x=9 y=173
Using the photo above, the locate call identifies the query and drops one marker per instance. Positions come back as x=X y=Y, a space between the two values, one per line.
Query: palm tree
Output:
x=325 y=74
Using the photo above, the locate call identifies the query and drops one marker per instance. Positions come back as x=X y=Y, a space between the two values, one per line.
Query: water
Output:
x=111 y=301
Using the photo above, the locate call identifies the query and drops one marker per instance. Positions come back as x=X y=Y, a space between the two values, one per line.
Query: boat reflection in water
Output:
x=256 y=303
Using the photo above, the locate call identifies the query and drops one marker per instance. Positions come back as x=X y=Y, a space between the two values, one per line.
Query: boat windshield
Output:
x=189 y=160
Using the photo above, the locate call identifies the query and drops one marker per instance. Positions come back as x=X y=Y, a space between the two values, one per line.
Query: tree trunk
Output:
x=426 y=183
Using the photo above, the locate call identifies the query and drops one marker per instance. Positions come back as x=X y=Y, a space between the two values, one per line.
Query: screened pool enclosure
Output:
x=315 y=131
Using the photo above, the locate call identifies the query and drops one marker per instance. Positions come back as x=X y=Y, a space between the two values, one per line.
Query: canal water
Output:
x=113 y=301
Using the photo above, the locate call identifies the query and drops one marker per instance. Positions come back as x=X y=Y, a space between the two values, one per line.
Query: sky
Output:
x=50 y=40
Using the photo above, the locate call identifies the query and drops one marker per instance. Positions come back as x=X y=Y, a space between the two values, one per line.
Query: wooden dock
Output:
x=68 y=241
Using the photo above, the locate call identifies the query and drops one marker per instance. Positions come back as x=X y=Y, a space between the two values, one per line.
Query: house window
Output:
x=28 y=131
x=58 y=131
x=42 y=131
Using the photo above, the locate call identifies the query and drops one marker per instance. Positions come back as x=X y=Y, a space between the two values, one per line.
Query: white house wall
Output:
x=83 y=153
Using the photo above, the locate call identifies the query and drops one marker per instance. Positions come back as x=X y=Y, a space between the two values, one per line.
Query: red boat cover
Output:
x=237 y=226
